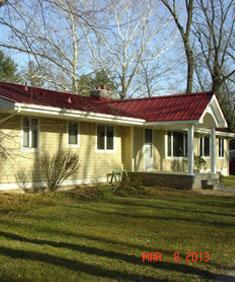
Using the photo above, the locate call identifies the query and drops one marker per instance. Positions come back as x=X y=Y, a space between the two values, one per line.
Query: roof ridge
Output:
x=108 y=100
x=162 y=96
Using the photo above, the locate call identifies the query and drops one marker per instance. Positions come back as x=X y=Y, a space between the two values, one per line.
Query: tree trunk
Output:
x=190 y=67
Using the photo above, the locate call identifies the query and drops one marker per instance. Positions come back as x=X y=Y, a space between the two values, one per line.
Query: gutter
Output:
x=18 y=109
x=89 y=116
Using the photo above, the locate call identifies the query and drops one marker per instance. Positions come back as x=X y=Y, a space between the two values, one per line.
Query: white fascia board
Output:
x=218 y=133
x=220 y=111
x=165 y=123
x=221 y=121
x=88 y=116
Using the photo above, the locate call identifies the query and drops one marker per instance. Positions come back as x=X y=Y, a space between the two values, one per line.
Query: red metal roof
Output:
x=162 y=108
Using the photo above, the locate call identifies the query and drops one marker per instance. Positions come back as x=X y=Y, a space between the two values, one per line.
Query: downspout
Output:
x=11 y=116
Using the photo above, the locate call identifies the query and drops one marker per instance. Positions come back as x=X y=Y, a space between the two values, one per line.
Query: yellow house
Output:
x=158 y=134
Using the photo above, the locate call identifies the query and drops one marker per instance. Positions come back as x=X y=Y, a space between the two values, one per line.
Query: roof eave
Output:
x=67 y=113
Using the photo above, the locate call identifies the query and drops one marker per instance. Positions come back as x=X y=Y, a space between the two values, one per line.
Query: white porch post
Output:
x=213 y=151
x=190 y=149
x=132 y=150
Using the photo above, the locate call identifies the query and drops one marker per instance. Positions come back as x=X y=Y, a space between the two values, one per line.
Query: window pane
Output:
x=222 y=153
x=26 y=133
x=185 y=145
x=73 y=133
x=109 y=140
x=201 y=147
x=178 y=144
x=206 y=146
x=169 y=144
x=221 y=147
x=34 y=128
x=148 y=136
x=100 y=137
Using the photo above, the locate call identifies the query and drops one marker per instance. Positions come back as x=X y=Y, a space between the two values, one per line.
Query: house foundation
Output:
x=176 y=180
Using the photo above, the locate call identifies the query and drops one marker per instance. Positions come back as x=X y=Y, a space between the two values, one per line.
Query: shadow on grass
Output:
x=95 y=270
x=206 y=200
x=167 y=207
x=163 y=218
x=76 y=266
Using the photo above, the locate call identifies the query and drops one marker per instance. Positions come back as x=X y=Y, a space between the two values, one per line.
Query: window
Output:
x=205 y=146
x=221 y=147
x=148 y=136
x=73 y=131
x=176 y=144
x=148 y=139
x=105 y=137
x=30 y=133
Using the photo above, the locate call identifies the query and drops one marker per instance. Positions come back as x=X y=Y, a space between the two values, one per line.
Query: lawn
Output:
x=61 y=237
x=229 y=181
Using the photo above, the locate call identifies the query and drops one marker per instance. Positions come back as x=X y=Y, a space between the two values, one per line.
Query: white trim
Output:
x=132 y=149
x=89 y=116
x=105 y=150
x=152 y=144
x=172 y=157
x=165 y=144
x=78 y=135
x=219 y=157
x=158 y=123
x=216 y=113
x=29 y=149
x=213 y=150
x=220 y=111
x=203 y=146
x=190 y=149
x=68 y=182
x=218 y=133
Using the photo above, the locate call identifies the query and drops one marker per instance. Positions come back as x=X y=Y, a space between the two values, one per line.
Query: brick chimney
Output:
x=103 y=91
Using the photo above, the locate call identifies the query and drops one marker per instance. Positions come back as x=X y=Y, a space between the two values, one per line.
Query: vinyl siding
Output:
x=53 y=137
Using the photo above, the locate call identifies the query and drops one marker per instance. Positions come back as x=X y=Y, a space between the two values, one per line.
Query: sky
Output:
x=174 y=82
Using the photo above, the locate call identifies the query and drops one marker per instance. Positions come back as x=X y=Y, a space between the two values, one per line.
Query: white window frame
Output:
x=105 y=138
x=78 y=135
x=172 y=146
x=203 y=147
x=29 y=149
x=222 y=156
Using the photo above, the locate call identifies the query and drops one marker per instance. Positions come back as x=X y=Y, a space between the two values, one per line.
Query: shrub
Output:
x=22 y=179
x=58 y=167
x=199 y=163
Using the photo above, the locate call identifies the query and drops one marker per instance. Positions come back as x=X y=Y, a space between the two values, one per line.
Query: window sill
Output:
x=105 y=151
x=176 y=158
x=206 y=158
x=73 y=146
x=29 y=150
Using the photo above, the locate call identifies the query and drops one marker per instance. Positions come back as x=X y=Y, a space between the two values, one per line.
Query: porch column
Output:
x=213 y=151
x=132 y=149
x=190 y=149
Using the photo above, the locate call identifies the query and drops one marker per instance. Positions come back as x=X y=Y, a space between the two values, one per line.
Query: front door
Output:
x=148 y=149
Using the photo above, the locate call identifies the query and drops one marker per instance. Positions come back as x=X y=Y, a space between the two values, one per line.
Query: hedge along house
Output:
x=158 y=134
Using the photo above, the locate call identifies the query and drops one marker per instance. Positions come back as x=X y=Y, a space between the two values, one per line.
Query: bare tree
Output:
x=214 y=30
x=185 y=31
x=49 y=32
x=128 y=43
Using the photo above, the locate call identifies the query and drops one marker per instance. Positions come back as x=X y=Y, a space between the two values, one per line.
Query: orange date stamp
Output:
x=189 y=257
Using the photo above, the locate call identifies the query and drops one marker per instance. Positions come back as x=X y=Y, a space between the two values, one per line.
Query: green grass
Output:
x=60 y=237
x=229 y=181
